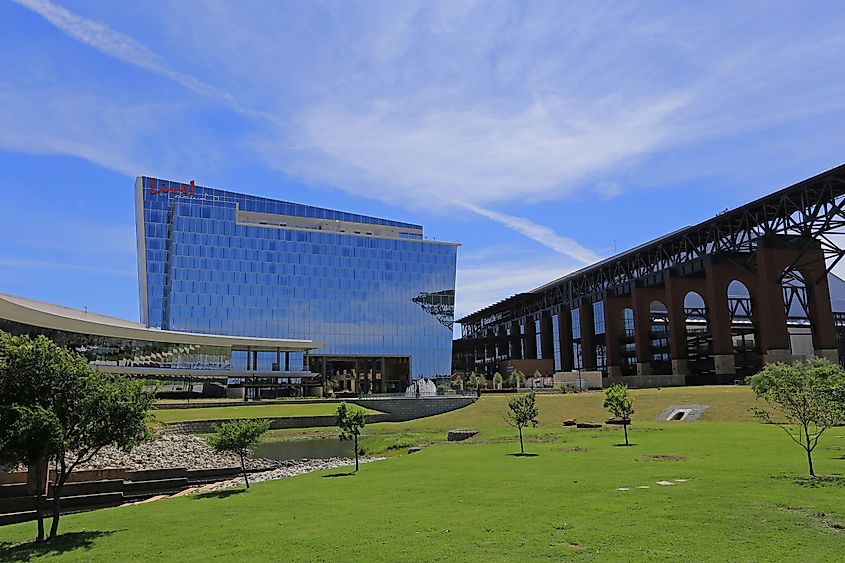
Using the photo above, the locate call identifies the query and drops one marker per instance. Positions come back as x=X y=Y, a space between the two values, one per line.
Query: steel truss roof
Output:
x=813 y=208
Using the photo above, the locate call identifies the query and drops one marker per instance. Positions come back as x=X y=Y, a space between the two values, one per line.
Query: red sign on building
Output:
x=165 y=187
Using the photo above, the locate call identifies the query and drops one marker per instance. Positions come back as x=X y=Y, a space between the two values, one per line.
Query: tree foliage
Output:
x=239 y=437
x=537 y=378
x=522 y=412
x=497 y=380
x=66 y=410
x=472 y=379
x=620 y=404
x=351 y=423
x=518 y=379
x=805 y=399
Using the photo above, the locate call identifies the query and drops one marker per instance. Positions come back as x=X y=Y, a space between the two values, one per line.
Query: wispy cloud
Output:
x=539 y=233
x=479 y=284
x=122 y=47
x=485 y=154
x=47 y=265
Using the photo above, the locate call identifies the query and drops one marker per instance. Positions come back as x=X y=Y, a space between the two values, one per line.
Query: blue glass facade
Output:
x=219 y=262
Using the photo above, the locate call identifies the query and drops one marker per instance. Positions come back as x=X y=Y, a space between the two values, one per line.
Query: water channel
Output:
x=314 y=448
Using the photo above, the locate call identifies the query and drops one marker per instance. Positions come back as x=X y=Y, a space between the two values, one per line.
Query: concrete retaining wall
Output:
x=409 y=408
x=208 y=426
x=394 y=409
x=645 y=381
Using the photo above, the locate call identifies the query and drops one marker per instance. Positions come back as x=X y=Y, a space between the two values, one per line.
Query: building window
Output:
x=598 y=317
x=601 y=358
x=538 y=339
x=628 y=322
x=577 y=357
x=556 y=341
x=575 y=314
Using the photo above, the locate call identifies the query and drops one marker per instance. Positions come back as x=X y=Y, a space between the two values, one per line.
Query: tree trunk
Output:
x=809 y=449
x=57 y=502
x=243 y=469
x=39 y=500
x=625 y=427
x=356 y=454
x=521 y=448
x=810 y=463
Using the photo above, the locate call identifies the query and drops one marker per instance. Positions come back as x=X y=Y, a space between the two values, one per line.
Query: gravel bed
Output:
x=290 y=468
x=170 y=451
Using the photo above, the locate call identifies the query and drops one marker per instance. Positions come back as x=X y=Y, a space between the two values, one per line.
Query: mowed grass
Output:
x=745 y=497
x=254 y=411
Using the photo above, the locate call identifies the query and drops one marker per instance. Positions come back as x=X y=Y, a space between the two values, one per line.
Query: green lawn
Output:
x=254 y=411
x=745 y=497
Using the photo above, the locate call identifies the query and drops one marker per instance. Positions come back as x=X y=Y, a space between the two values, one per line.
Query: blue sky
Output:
x=541 y=135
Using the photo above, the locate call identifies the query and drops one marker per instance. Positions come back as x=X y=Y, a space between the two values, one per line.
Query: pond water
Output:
x=315 y=448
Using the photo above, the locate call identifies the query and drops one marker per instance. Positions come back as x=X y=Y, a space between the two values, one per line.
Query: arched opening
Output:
x=699 y=340
x=627 y=346
x=743 y=333
x=796 y=305
x=659 y=338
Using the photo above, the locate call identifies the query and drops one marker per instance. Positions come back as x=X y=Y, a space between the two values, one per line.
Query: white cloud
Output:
x=479 y=285
x=540 y=233
x=48 y=265
x=122 y=47
x=434 y=151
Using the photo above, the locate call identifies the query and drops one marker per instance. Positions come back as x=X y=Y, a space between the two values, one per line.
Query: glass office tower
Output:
x=374 y=292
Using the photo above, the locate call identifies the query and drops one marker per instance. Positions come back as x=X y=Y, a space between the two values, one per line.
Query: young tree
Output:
x=480 y=382
x=497 y=380
x=537 y=377
x=239 y=437
x=472 y=380
x=519 y=378
x=29 y=436
x=523 y=411
x=350 y=422
x=620 y=404
x=457 y=383
x=87 y=410
x=807 y=398
x=512 y=379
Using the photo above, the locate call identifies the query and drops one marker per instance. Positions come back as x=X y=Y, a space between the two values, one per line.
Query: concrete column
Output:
x=770 y=313
x=719 y=319
x=588 y=348
x=676 y=290
x=325 y=376
x=819 y=305
x=547 y=336
x=612 y=331
x=641 y=301
x=515 y=341
x=530 y=338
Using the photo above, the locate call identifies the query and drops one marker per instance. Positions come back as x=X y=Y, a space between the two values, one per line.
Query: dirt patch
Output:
x=822 y=519
x=576 y=449
x=664 y=457
x=816 y=482
x=576 y=546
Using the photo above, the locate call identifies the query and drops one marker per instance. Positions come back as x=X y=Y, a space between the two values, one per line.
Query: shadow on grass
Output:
x=524 y=455
x=816 y=482
x=330 y=475
x=64 y=544
x=625 y=445
x=225 y=493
